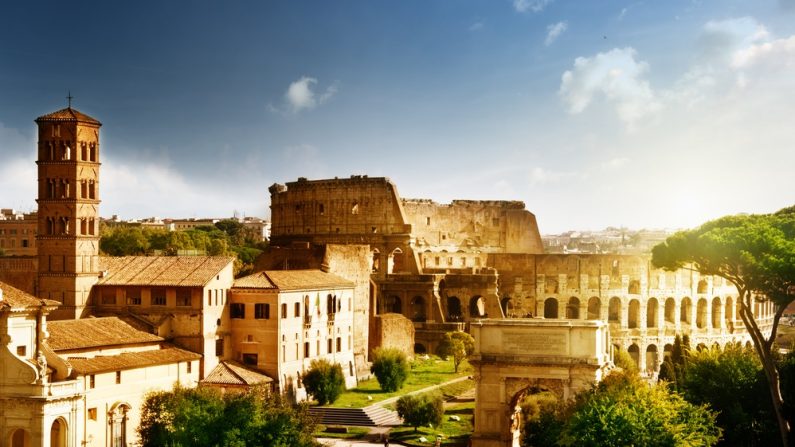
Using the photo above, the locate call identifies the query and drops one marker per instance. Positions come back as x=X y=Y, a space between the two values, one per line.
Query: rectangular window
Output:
x=158 y=297
x=219 y=347
x=250 y=359
x=118 y=377
x=339 y=344
x=22 y=351
x=297 y=309
x=184 y=297
x=92 y=381
x=209 y=297
x=109 y=296
x=262 y=311
x=237 y=310
x=330 y=346
x=284 y=310
x=306 y=349
x=92 y=414
x=134 y=296
x=189 y=367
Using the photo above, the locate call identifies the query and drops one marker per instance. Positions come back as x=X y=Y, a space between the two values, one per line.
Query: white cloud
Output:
x=614 y=163
x=477 y=26
x=720 y=39
x=530 y=5
x=618 y=77
x=554 y=31
x=623 y=13
x=777 y=53
x=541 y=176
x=300 y=95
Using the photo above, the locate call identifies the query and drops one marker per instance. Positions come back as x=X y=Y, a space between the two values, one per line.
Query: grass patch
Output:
x=424 y=373
x=352 y=432
x=454 y=433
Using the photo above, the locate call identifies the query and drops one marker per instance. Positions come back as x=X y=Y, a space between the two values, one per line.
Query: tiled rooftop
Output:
x=292 y=280
x=95 y=332
x=230 y=373
x=131 y=360
x=186 y=271
x=68 y=114
x=18 y=299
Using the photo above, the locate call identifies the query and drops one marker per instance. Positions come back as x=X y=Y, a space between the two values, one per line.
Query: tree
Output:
x=324 y=381
x=201 y=416
x=624 y=410
x=421 y=409
x=672 y=368
x=124 y=241
x=730 y=381
x=624 y=360
x=391 y=368
x=458 y=345
x=756 y=253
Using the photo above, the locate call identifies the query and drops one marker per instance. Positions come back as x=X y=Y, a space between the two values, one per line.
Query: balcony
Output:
x=65 y=388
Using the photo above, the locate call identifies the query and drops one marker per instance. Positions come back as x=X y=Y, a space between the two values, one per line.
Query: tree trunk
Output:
x=768 y=364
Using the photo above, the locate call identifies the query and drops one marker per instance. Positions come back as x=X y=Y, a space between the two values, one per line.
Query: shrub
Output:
x=421 y=409
x=457 y=344
x=324 y=381
x=391 y=368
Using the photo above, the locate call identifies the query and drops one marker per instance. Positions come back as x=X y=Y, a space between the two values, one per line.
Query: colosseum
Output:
x=442 y=266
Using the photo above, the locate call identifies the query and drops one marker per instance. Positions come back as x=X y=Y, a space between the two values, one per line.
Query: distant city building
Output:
x=17 y=233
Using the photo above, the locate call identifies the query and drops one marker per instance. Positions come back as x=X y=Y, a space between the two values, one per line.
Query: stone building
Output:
x=17 y=233
x=284 y=319
x=443 y=266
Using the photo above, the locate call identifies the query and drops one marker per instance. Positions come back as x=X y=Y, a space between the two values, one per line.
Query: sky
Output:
x=613 y=113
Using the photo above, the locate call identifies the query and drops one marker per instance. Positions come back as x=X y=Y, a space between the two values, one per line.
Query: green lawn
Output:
x=454 y=433
x=351 y=433
x=424 y=373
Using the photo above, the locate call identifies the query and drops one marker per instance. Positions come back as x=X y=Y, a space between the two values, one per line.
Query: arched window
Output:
x=652 y=360
x=614 y=310
x=633 y=316
x=594 y=308
x=685 y=308
x=701 y=314
x=453 y=308
x=550 y=308
x=728 y=312
x=396 y=261
x=376 y=260
x=393 y=304
x=20 y=438
x=652 y=307
x=418 y=309
x=117 y=419
x=702 y=286
x=573 y=308
x=634 y=352
x=477 y=307
x=670 y=311
x=716 y=306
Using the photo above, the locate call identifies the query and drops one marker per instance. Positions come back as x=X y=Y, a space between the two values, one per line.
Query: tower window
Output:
x=355 y=208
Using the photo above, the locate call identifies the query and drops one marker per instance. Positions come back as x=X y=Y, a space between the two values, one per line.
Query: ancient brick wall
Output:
x=392 y=331
x=20 y=272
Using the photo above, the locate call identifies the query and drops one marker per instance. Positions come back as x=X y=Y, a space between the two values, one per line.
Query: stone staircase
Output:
x=371 y=416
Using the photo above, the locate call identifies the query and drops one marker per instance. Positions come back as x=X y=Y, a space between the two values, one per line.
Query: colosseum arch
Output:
x=634 y=352
x=634 y=287
x=716 y=308
x=418 y=309
x=19 y=438
x=453 y=308
x=652 y=308
x=668 y=350
x=670 y=311
x=685 y=310
x=633 y=314
x=614 y=310
x=702 y=287
x=728 y=316
x=594 y=308
x=573 y=308
x=507 y=306
x=393 y=304
x=396 y=261
x=551 y=308
x=477 y=307
x=376 y=260
x=701 y=314
x=652 y=358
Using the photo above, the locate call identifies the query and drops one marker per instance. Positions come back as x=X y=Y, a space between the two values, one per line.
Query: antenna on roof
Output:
x=69 y=97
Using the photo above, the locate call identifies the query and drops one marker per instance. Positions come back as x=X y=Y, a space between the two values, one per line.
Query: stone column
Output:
x=721 y=316
x=583 y=309
x=678 y=314
x=642 y=315
x=624 y=315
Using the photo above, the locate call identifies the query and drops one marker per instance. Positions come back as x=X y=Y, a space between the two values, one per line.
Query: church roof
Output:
x=14 y=298
x=230 y=373
x=131 y=360
x=184 y=271
x=88 y=333
x=68 y=114
x=286 y=280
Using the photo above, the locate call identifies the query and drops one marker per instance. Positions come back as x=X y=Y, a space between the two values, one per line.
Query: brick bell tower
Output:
x=68 y=227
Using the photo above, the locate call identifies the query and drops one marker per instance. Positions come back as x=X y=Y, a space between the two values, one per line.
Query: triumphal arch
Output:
x=514 y=357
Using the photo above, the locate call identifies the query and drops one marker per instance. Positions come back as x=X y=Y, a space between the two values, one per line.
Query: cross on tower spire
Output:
x=69 y=97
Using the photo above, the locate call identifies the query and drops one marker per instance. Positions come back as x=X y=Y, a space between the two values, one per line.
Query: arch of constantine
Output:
x=514 y=357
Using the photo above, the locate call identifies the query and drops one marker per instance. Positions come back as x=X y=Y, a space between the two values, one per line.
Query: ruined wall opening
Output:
x=20 y=438
x=420 y=348
x=668 y=350
x=702 y=286
x=477 y=307
x=418 y=309
x=396 y=261
x=701 y=314
x=652 y=359
x=685 y=309
x=614 y=310
x=729 y=308
x=551 y=308
x=633 y=314
x=573 y=308
x=634 y=352
x=453 y=308
x=527 y=405
x=507 y=306
x=393 y=305
x=376 y=260
x=652 y=307
x=634 y=287
x=716 y=307
x=670 y=311
x=594 y=308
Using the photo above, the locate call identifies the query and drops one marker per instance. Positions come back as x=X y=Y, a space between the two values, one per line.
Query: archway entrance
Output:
x=527 y=405
x=477 y=307
x=58 y=433
x=453 y=308
x=20 y=438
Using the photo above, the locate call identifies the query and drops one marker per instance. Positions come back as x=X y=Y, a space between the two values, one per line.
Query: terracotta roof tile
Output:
x=18 y=299
x=94 y=332
x=230 y=373
x=305 y=279
x=254 y=281
x=130 y=360
x=187 y=271
x=68 y=114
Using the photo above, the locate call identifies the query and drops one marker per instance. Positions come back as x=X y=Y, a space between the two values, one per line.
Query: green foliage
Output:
x=624 y=360
x=672 y=369
x=124 y=241
x=390 y=367
x=421 y=409
x=200 y=416
x=458 y=345
x=324 y=381
x=623 y=410
x=730 y=381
